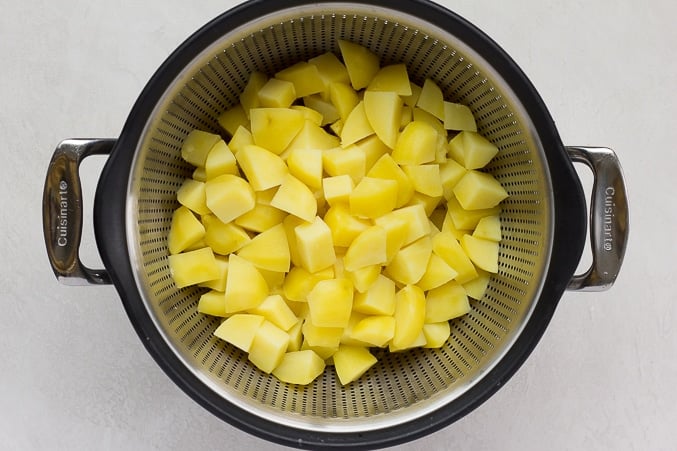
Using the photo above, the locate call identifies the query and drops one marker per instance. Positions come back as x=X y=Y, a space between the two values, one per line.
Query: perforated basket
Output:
x=406 y=394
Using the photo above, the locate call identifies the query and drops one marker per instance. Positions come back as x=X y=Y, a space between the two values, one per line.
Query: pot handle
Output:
x=62 y=211
x=608 y=218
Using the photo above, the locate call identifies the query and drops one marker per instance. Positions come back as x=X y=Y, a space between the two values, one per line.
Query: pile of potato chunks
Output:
x=347 y=211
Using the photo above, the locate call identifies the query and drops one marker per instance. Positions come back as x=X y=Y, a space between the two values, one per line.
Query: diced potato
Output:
x=397 y=231
x=193 y=267
x=220 y=160
x=295 y=336
x=274 y=128
x=431 y=99
x=212 y=303
x=343 y=225
x=312 y=116
x=185 y=230
x=290 y=223
x=364 y=278
x=223 y=238
x=240 y=330
x=391 y=78
x=268 y=346
x=277 y=93
x=450 y=173
x=356 y=126
x=330 y=303
x=197 y=145
x=349 y=161
x=367 y=249
x=337 y=127
x=351 y=362
x=337 y=189
x=299 y=367
x=296 y=198
x=200 y=174
x=384 y=112
x=410 y=263
x=472 y=150
x=324 y=352
x=275 y=309
x=467 y=219
x=415 y=217
x=409 y=315
x=344 y=98
x=329 y=112
x=373 y=149
x=263 y=169
x=411 y=100
x=436 y=334
x=229 y=196
x=483 y=253
x=428 y=203
x=479 y=191
x=298 y=284
x=305 y=77
x=249 y=98
x=218 y=283
x=311 y=136
x=360 y=62
x=425 y=179
x=446 y=302
x=419 y=342
x=306 y=165
x=245 y=286
x=331 y=69
x=375 y=330
x=193 y=194
x=262 y=217
x=458 y=117
x=420 y=115
x=416 y=144
x=326 y=337
x=274 y=280
x=489 y=228
x=478 y=286
x=406 y=117
x=437 y=273
x=373 y=197
x=233 y=118
x=447 y=247
x=346 y=338
x=242 y=137
x=315 y=245
x=449 y=226
x=386 y=168
x=268 y=250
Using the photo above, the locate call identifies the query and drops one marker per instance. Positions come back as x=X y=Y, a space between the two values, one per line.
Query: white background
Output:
x=74 y=375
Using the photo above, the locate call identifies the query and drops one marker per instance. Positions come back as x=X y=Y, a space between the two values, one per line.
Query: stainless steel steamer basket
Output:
x=408 y=394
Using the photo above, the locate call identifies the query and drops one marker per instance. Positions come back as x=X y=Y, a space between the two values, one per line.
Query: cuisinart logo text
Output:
x=609 y=207
x=62 y=217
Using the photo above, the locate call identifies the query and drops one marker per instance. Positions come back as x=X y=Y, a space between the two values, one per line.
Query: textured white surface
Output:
x=74 y=375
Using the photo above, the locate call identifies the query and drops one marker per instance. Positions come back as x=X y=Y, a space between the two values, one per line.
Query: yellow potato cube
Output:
x=478 y=286
x=317 y=336
x=233 y=118
x=329 y=112
x=200 y=174
x=472 y=150
x=419 y=342
x=330 y=303
x=356 y=126
x=379 y=299
x=447 y=247
x=218 y=283
x=315 y=245
x=425 y=179
x=360 y=62
x=193 y=194
x=373 y=197
x=274 y=280
x=411 y=100
x=449 y=226
x=229 y=196
x=262 y=217
x=344 y=98
x=263 y=169
x=245 y=286
x=298 y=284
x=436 y=334
x=296 y=198
x=384 y=113
x=375 y=330
x=437 y=273
x=331 y=69
x=197 y=145
x=391 y=78
x=367 y=249
x=468 y=219
x=277 y=93
x=349 y=161
x=364 y=278
x=268 y=250
x=337 y=189
x=351 y=362
x=274 y=128
x=311 y=136
x=450 y=173
x=306 y=165
x=489 y=228
x=420 y=115
x=409 y=315
x=324 y=352
x=212 y=303
x=373 y=149
x=305 y=77
x=386 y=168
x=240 y=330
x=249 y=98
x=479 y=191
x=220 y=160
x=458 y=117
x=446 y=302
x=290 y=223
x=223 y=238
x=397 y=230
x=343 y=225
x=299 y=367
x=411 y=262
x=242 y=137
x=415 y=217
x=193 y=267
x=416 y=144
x=483 y=253
x=184 y=231
x=431 y=99
x=346 y=338
x=312 y=116
x=428 y=203
x=275 y=309
x=295 y=337
x=268 y=347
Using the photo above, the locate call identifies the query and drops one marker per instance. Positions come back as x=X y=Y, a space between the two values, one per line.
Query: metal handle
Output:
x=62 y=211
x=608 y=218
